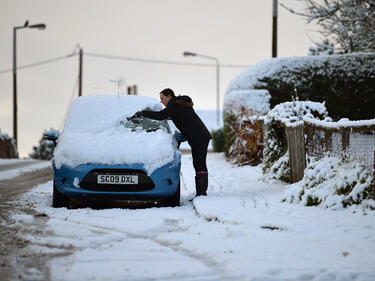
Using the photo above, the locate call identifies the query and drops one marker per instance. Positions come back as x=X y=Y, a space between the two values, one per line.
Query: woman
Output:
x=180 y=111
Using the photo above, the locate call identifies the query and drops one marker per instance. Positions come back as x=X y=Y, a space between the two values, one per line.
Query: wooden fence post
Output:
x=327 y=141
x=310 y=139
x=296 y=148
x=345 y=140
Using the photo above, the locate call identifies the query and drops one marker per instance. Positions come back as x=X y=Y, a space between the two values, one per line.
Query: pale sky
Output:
x=234 y=31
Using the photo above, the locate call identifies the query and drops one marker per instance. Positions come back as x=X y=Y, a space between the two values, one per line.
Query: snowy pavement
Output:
x=241 y=231
x=10 y=168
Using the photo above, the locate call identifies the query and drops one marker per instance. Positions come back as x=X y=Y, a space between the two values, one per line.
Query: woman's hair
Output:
x=167 y=92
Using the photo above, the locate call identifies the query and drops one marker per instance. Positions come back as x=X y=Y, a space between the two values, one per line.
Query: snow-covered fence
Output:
x=350 y=141
x=346 y=140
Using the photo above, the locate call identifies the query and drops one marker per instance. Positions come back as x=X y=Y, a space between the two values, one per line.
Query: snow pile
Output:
x=94 y=133
x=256 y=101
x=334 y=184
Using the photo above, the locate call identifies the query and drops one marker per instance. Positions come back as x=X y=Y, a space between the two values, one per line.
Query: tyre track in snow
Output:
x=218 y=265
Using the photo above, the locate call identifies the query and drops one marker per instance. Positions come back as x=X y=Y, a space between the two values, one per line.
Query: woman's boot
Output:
x=201 y=183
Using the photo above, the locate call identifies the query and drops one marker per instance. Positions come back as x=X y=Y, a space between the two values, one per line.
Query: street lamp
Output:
x=190 y=54
x=26 y=25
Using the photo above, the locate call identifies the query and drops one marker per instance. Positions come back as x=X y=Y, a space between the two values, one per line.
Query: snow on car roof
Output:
x=94 y=133
x=95 y=113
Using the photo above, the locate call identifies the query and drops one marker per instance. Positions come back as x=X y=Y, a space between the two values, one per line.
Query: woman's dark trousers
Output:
x=199 y=153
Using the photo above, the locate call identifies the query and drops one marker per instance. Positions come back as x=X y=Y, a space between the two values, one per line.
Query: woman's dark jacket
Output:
x=180 y=111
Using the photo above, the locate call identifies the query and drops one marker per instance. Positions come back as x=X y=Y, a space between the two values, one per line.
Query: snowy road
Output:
x=241 y=231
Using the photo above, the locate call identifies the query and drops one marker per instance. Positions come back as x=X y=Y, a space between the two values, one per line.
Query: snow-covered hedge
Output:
x=256 y=102
x=243 y=134
x=331 y=183
x=345 y=82
x=9 y=146
x=275 y=164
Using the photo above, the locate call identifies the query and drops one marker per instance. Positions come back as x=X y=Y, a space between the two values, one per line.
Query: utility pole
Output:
x=15 y=108
x=15 y=136
x=274 y=29
x=80 y=72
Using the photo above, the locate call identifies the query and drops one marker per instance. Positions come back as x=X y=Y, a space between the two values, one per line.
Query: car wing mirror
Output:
x=51 y=135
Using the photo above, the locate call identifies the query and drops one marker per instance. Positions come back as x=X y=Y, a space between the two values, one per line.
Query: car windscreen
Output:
x=145 y=124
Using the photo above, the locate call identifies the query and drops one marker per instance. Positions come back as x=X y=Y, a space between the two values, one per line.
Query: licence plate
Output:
x=117 y=179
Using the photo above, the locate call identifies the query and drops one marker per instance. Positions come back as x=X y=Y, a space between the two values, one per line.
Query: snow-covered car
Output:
x=103 y=157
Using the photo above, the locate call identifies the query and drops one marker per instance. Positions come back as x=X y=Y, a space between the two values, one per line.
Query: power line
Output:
x=70 y=103
x=161 y=61
x=39 y=63
x=122 y=58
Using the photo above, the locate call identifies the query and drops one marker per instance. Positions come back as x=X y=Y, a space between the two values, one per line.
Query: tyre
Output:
x=174 y=200
x=58 y=199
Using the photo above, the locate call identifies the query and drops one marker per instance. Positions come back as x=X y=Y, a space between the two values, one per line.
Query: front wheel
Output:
x=174 y=200
x=58 y=199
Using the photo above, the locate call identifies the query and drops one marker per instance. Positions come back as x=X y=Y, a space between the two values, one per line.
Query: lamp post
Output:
x=26 y=25
x=187 y=54
x=274 y=29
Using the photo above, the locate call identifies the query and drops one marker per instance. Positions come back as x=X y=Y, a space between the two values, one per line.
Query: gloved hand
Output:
x=136 y=115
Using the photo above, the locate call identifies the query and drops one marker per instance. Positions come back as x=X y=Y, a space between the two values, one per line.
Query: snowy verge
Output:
x=334 y=184
x=14 y=160
x=9 y=174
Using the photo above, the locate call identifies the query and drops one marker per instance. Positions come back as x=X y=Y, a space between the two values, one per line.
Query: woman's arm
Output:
x=156 y=115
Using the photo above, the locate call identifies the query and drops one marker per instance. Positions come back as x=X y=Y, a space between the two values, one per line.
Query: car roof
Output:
x=95 y=113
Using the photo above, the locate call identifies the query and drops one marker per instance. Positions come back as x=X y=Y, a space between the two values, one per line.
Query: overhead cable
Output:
x=39 y=63
x=160 y=61
x=74 y=53
x=70 y=103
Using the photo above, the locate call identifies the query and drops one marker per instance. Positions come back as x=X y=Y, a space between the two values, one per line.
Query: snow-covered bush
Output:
x=218 y=140
x=346 y=83
x=275 y=164
x=332 y=183
x=243 y=131
x=279 y=170
x=44 y=150
x=8 y=146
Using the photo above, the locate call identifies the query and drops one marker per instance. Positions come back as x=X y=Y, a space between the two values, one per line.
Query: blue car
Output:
x=110 y=160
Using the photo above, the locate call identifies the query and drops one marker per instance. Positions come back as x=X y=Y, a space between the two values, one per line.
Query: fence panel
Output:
x=351 y=141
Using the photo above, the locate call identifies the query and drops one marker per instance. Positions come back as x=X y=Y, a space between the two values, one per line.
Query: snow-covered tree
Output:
x=324 y=48
x=44 y=150
x=350 y=24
